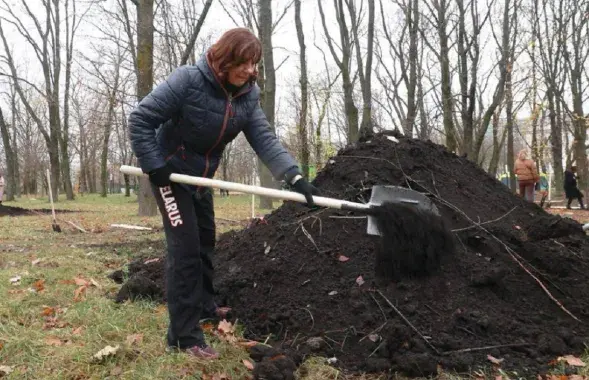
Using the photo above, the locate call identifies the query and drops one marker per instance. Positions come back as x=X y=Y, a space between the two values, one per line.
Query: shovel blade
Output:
x=396 y=194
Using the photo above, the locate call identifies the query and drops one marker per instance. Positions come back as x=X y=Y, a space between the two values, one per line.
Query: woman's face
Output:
x=239 y=75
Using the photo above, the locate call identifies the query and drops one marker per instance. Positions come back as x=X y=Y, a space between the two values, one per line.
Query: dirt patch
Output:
x=19 y=211
x=309 y=277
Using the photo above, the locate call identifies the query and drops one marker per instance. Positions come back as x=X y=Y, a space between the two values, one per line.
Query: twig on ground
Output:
x=76 y=226
x=347 y=217
x=408 y=323
x=486 y=348
x=483 y=223
x=432 y=309
x=384 y=315
x=228 y=220
x=312 y=319
x=376 y=349
x=434 y=183
x=131 y=227
x=374 y=332
x=308 y=235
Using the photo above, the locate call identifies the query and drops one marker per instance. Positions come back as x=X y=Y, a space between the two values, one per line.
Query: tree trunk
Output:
x=147 y=205
x=497 y=144
x=413 y=19
x=269 y=98
x=446 y=83
x=303 y=132
x=509 y=125
x=11 y=158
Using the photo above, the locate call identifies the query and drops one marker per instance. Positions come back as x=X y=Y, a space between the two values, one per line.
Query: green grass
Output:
x=61 y=345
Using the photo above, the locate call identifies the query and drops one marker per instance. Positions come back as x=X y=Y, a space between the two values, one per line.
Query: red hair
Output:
x=235 y=47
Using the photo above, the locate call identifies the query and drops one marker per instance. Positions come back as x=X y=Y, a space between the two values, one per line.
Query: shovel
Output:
x=413 y=235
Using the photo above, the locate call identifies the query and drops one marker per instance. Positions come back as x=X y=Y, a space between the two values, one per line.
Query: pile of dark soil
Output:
x=309 y=276
x=19 y=211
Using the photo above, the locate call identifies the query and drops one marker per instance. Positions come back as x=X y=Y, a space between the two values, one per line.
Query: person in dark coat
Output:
x=570 y=187
x=182 y=126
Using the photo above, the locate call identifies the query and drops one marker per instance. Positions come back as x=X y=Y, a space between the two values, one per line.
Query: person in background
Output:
x=527 y=175
x=570 y=187
x=183 y=126
x=543 y=186
x=1 y=187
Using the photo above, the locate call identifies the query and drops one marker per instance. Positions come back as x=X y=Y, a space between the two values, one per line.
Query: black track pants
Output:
x=189 y=224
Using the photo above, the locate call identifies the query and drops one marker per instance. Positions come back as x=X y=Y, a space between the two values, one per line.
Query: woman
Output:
x=570 y=187
x=197 y=111
x=527 y=175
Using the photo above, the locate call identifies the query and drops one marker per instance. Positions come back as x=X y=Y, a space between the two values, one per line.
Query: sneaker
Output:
x=202 y=352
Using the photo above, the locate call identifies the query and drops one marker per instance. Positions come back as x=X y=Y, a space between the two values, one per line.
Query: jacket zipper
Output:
x=228 y=112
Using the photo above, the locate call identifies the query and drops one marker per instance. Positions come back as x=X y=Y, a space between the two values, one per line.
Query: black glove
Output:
x=160 y=176
x=301 y=185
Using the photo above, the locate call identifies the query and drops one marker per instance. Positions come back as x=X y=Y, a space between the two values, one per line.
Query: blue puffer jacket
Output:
x=195 y=119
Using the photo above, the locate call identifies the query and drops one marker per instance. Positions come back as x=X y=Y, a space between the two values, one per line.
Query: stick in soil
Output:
x=408 y=323
x=486 y=348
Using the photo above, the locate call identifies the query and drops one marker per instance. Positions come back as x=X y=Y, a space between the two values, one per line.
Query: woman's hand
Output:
x=302 y=186
x=161 y=176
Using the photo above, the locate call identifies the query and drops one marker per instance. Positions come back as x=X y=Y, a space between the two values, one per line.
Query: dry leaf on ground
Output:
x=343 y=258
x=106 y=352
x=79 y=293
x=134 y=339
x=39 y=285
x=77 y=330
x=494 y=360
x=248 y=364
x=81 y=282
x=117 y=371
x=572 y=360
x=54 y=341
x=360 y=281
x=48 y=311
x=5 y=370
x=15 y=279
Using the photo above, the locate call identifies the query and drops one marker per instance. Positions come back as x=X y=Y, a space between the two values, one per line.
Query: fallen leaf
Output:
x=248 y=343
x=360 y=281
x=207 y=327
x=67 y=282
x=343 y=258
x=332 y=360
x=226 y=327
x=248 y=364
x=117 y=371
x=572 y=360
x=106 y=352
x=332 y=293
x=81 y=282
x=48 y=311
x=35 y=262
x=54 y=341
x=1 y=346
x=39 y=285
x=494 y=360
x=95 y=283
x=134 y=339
x=79 y=293
x=77 y=331
x=15 y=279
x=517 y=227
x=221 y=376
x=155 y=260
x=5 y=370
x=374 y=337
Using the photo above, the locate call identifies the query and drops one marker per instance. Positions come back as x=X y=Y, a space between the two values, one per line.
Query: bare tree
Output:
x=47 y=48
x=11 y=158
x=344 y=64
x=302 y=124
x=364 y=70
